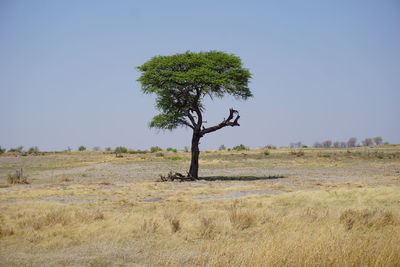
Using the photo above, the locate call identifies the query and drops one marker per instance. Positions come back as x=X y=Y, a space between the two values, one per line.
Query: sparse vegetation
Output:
x=341 y=210
x=154 y=149
x=16 y=149
x=176 y=158
x=170 y=149
x=222 y=147
x=17 y=178
x=240 y=147
x=81 y=148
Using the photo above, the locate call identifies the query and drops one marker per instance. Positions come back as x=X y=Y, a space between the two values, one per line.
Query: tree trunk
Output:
x=194 y=165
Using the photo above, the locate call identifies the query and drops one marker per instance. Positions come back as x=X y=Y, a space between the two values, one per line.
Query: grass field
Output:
x=258 y=207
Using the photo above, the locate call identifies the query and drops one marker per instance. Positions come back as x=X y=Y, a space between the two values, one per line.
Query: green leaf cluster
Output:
x=181 y=82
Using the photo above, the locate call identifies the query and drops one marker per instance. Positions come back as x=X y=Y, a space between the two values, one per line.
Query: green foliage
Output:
x=16 y=149
x=81 y=148
x=181 y=81
x=33 y=150
x=175 y=158
x=120 y=149
x=155 y=149
x=240 y=147
x=2 y=150
x=160 y=154
x=170 y=149
x=222 y=147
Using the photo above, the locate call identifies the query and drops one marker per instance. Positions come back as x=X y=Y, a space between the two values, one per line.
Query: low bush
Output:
x=81 y=148
x=160 y=154
x=240 y=147
x=222 y=147
x=155 y=149
x=170 y=149
x=2 y=150
x=16 y=149
x=33 y=150
x=175 y=158
x=120 y=150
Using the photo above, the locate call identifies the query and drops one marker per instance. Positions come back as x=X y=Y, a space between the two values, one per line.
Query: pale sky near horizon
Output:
x=322 y=70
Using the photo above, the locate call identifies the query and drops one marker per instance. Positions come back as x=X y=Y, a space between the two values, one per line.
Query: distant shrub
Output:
x=155 y=149
x=270 y=147
x=222 y=147
x=367 y=142
x=160 y=154
x=108 y=148
x=33 y=150
x=240 y=147
x=81 y=148
x=17 y=149
x=120 y=149
x=96 y=148
x=175 y=158
x=2 y=150
x=186 y=149
x=266 y=153
x=172 y=149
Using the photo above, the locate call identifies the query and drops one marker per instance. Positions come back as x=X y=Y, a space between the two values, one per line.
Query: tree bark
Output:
x=194 y=165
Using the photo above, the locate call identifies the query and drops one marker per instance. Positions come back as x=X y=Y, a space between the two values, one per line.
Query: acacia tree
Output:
x=182 y=81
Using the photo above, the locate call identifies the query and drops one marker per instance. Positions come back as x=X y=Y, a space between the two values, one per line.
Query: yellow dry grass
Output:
x=305 y=223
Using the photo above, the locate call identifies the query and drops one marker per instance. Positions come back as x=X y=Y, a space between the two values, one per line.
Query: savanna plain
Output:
x=257 y=207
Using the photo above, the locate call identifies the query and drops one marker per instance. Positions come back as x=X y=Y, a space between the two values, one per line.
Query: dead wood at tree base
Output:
x=172 y=176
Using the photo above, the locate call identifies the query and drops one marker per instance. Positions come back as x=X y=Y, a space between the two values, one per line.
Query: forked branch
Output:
x=232 y=121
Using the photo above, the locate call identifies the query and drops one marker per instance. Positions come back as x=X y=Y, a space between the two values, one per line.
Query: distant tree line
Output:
x=352 y=142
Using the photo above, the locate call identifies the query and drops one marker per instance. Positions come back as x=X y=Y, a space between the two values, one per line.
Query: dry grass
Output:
x=314 y=222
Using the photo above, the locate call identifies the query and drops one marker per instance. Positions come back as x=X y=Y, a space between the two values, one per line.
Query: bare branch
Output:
x=224 y=123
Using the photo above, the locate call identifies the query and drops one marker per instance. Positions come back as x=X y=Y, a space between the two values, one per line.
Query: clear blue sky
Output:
x=321 y=70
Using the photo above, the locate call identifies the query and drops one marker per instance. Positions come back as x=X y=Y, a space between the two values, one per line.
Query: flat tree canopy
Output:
x=181 y=82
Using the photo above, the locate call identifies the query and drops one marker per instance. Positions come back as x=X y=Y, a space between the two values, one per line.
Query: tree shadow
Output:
x=241 y=178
